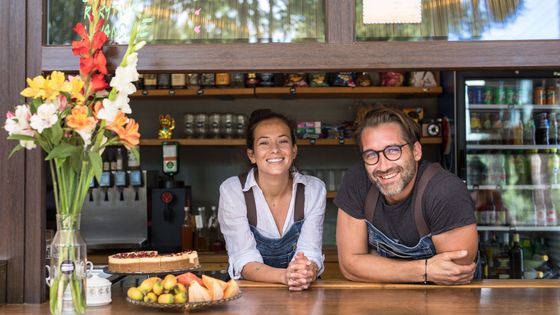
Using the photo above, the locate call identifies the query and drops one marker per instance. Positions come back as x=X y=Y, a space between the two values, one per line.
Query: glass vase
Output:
x=67 y=267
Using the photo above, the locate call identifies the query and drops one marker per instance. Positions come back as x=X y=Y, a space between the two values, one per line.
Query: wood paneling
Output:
x=330 y=57
x=35 y=210
x=340 y=21
x=12 y=185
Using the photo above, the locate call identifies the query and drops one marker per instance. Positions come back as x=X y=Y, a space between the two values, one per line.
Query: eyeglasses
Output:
x=391 y=153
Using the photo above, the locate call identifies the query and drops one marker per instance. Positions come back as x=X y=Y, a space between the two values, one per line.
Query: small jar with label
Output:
x=164 y=81
x=222 y=79
x=150 y=81
x=178 y=81
x=193 y=81
x=208 y=80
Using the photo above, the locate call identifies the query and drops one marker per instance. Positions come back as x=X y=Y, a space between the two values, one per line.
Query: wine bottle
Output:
x=516 y=259
x=187 y=231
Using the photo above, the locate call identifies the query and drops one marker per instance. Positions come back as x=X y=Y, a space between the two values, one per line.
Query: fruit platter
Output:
x=183 y=292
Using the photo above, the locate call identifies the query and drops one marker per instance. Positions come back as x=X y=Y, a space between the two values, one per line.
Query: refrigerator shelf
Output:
x=507 y=106
x=518 y=228
x=513 y=187
x=512 y=146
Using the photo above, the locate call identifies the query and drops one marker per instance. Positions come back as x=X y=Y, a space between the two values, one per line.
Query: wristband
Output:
x=425 y=271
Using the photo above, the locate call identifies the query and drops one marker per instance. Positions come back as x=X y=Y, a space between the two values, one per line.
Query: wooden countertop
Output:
x=343 y=297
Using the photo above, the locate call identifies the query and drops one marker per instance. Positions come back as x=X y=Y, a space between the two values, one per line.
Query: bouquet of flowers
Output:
x=73 y=119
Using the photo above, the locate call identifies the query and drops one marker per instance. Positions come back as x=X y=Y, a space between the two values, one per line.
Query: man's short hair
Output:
x=410 y=129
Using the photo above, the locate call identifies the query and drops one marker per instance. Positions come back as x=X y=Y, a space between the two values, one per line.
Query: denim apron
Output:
x=387 y=247
x=276 y=252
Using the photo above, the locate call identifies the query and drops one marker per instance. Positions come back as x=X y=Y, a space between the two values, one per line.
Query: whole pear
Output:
x=151 y=297
x=166 y=298
x=169 y=282
x=157 y=288
x=135 y=294
x=181 y=297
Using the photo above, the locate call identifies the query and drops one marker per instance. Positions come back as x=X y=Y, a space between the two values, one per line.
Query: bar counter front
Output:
x=344 y=297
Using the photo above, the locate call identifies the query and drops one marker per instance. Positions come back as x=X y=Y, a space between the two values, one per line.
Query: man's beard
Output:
x=406 y=173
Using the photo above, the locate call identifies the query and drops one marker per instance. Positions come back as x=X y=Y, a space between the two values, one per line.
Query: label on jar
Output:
x=67 y=267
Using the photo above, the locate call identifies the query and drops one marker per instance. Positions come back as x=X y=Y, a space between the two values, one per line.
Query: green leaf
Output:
x=96 y=164
x=76 y=162
x=62 y=151
x=21 y=137
x=56 y=133
x=14 y=150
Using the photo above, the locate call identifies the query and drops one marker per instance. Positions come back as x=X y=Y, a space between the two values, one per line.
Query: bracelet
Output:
x=425 y=271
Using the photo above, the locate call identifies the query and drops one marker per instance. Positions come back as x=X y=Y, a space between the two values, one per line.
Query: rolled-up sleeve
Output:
x=310 y=241
x=232 y=215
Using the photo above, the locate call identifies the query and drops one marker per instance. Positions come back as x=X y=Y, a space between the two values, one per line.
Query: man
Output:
x=385 y=232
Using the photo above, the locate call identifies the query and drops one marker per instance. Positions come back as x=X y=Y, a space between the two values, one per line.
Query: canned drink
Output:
x=500 y=94
x=475 y=94
x=489 y=92
x=551 y=95
x=539 y=96
x=511 y=96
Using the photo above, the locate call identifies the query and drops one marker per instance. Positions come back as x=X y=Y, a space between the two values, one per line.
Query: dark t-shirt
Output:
x=446 y=205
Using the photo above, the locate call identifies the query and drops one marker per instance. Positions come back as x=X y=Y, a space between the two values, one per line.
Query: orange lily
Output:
x=129 y=135
x=79 y=119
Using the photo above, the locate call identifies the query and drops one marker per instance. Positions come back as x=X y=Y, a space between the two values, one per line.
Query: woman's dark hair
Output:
x=380 y=115
x=260 y=115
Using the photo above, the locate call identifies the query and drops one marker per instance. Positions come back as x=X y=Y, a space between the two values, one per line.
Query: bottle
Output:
x=536 y=175
x=214 y=231
x=201 y=232
x=133 y=163
x=518 y=129
x=542 y=130
x=551 y=215
x=553 y=131
x=106 y=162
x=529 y=130
x=503 y=258
x=516 y=259
x=113 y=161
x=119 y=160
x=187 y=231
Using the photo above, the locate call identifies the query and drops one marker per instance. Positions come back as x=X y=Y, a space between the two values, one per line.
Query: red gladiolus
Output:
x=98 y=83
x=81 y=30
x=100 y=62
x=98 y=40
x=80 y=48
x=86 y=65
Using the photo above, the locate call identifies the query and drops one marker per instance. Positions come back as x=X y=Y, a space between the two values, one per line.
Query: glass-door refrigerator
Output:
x=508 y=141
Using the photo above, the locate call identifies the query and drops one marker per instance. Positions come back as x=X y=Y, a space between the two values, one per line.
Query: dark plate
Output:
x=185 y=306
x=175 y=271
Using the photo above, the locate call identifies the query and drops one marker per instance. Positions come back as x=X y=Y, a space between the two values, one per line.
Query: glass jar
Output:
x=240 y=125
x=227 y=125
x=200 y=125
x=214 y=125
x=189 y=125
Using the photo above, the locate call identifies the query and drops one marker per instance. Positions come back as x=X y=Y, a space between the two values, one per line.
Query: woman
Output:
x=272 y=216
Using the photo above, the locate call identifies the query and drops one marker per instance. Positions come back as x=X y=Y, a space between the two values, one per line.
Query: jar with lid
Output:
x=164 y=81
x=227 y=125
x=193 y=81
x=240 y=125
x=200 y=125
x=222 y=79
x=214 y=125
x=189 y=125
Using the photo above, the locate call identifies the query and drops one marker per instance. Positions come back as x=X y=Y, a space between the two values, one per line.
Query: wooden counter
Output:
x=344 y=297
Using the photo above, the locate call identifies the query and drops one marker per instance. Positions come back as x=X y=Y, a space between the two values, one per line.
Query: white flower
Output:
x=124 y=76
x=45 y=117
x=132 y=60
x=139 y=45
x=86 y=135
x=111 y=108
x=28 y=144
x=18 y=122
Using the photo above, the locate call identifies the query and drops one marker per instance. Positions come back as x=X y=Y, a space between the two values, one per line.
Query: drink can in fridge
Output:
x=489 y=92
x=475 y=94
x=500 y=93
x=539 y=96
x=511 y=96
x=551 y=95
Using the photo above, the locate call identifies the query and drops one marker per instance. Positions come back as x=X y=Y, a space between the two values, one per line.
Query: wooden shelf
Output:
x=240 y=142
x=288 y=91
x=331 y=194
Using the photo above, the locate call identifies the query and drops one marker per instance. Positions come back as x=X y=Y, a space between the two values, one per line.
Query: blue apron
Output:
x=276 y=252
